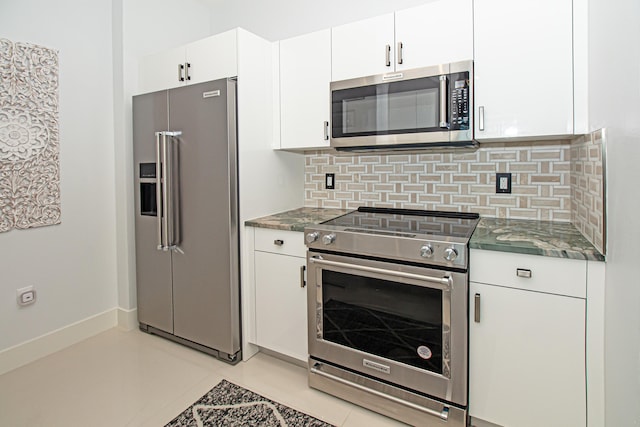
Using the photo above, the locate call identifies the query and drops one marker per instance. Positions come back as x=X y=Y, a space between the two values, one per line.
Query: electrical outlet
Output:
x=26 y=295
x=503 y=183
x=330 y=181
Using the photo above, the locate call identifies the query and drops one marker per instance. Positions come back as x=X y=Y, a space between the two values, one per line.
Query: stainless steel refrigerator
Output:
x=186 y=220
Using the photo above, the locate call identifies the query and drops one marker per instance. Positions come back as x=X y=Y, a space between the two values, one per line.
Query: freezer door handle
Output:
x=165 y=193
x=159 y=192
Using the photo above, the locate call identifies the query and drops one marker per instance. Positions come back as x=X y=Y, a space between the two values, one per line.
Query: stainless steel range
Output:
x=387 y=305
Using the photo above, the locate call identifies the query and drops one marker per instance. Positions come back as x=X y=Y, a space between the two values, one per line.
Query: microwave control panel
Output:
x=459 y=95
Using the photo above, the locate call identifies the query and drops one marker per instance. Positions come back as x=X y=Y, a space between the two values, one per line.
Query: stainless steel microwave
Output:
x=420 y=108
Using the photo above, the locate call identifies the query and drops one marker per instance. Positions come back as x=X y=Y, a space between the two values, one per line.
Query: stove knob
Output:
x=426 y=251
x=312 y=237
x=328 y=239
x=450 y=254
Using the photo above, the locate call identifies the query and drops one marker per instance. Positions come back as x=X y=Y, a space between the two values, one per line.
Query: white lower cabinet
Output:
x=281 y=299
x=526 y=347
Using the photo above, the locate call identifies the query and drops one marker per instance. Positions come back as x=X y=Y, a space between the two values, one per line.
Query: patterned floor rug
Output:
x=228 y=404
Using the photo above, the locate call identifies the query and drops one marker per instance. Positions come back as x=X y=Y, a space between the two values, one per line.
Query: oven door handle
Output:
x=445 y=281
x=443 y=415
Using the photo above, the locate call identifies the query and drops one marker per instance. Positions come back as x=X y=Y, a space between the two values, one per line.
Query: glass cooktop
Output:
x=407 y=222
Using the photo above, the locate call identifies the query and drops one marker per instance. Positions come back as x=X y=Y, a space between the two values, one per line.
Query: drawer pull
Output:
x=278 y=242
x=523 y=272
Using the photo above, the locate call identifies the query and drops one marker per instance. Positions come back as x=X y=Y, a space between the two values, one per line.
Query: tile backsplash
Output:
x=588 y=187
x=456 y=181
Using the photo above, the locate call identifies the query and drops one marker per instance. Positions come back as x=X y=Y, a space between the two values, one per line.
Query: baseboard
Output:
x=34 y=349
x=127 y=319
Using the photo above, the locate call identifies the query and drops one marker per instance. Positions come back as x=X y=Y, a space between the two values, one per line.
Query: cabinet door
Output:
x=434 y=33
x=358 y=49
x=527 y=358
x=213 y=58
x=305 y=73
x=523 y=68
x=281 y=304
x=160 y=71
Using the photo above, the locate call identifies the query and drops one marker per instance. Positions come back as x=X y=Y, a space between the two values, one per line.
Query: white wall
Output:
x=141 y=27
x=280 y=19
x=614 y=87
x=71 y=265
x=86 y=265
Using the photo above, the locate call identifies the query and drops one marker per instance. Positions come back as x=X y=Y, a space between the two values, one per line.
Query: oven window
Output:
x=389 y=319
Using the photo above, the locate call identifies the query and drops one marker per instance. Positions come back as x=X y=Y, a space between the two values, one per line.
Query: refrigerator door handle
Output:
x=159 y=189
x=171 y=226
x=165 y=167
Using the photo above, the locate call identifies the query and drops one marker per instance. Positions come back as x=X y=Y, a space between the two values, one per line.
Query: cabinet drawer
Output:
x=547 y=274
x=280 y=242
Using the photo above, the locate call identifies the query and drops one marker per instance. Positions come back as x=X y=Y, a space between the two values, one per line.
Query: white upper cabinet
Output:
x=363 y=48
x=434 y=33
x=203 y=60
x=161 y=70
x=213 y=58
x=523 y=68
x=305 y=73
x=431 y=34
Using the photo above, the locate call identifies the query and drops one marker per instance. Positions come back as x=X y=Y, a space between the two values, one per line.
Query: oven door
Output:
x=402 y=324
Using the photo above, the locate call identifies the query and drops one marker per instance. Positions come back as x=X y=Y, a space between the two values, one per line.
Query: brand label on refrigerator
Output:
x=211 y=94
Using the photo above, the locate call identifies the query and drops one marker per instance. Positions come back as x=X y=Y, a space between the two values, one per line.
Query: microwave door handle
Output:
x=443 y=102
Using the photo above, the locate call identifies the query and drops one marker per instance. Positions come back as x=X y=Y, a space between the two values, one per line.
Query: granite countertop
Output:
x=547 y=238
x=296 y=219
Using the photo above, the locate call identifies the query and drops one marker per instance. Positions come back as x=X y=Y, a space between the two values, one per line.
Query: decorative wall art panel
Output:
x=29 y=146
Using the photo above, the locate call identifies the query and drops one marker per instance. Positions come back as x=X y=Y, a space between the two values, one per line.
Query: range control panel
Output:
x=394 y=247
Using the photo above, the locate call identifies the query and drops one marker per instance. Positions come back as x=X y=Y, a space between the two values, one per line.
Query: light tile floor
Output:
x=131 y=378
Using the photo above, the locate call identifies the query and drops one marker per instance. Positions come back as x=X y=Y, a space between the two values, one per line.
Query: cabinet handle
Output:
x=303 y=282
x=188 y=70
x=399 y=52
x=278 y=242
x=481 y=118
x=387 y=52
x=180 y=72
x=326 y=131
x=523 y=272
x=476 y=314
